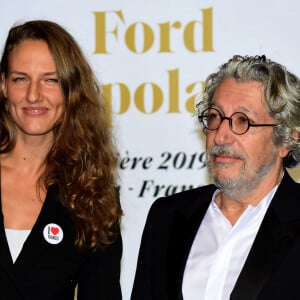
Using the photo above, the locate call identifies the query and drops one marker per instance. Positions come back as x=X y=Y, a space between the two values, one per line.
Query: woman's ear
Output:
x=3 y=84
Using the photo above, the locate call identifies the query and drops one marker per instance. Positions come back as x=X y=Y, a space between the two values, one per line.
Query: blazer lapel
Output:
x=280 y=225
x=35 y=245
x=186 y=224
x=28 y=256
x=5 y=258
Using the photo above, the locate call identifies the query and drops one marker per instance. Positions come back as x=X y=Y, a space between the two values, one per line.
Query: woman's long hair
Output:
x=82 y=160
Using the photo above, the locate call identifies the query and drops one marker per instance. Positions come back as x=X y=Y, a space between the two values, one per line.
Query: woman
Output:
x=59 y=226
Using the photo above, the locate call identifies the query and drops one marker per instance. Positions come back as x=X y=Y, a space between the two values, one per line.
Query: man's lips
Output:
x=225 y=158
x=224 y=154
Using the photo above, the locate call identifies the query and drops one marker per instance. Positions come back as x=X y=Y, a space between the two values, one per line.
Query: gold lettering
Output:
x=124 y=96
x=130 y=37
x=157 y=98
x=165 y=29
x=149 y=97
x=208 y=30
x=191 y=102
x=100 y=30
x=189 y=33
x=173 y=91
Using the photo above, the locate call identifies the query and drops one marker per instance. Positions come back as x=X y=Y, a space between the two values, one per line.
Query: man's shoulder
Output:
x=199 y=195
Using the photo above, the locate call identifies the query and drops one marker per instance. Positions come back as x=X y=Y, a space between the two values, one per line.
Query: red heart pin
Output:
x=54 y=230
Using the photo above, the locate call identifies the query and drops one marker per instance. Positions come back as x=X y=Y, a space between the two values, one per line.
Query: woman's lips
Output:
x=35 y=111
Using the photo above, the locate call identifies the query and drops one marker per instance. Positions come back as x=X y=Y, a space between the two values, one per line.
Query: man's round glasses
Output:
x=239 y=123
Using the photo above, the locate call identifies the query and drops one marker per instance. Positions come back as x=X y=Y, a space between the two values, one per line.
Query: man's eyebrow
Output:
x=244 y=109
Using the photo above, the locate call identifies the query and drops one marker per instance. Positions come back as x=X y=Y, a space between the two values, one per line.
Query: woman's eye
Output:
x=52 y=80
x=18 y=79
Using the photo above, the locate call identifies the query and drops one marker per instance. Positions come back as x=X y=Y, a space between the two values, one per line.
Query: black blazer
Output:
x=45 y=271
x=272 y=268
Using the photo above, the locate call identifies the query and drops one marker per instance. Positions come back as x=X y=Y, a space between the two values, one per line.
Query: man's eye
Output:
x=213 y=116
x=242 y=119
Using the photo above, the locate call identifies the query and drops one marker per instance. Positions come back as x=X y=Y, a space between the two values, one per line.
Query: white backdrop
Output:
x=152 y=57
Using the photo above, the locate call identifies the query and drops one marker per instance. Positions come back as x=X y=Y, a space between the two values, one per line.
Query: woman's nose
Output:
x=33 y=92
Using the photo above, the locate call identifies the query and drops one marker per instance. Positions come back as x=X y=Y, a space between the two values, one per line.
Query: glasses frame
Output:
x=222 y=118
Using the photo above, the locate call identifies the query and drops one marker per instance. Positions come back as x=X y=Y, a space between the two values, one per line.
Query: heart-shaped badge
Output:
x=53 y=233
x=54 y=230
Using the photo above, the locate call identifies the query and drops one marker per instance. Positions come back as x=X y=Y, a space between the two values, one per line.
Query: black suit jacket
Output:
x=272 y=268
x=45 y=271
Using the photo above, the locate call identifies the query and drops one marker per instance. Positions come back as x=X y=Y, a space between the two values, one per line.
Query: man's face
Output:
x=238 y=163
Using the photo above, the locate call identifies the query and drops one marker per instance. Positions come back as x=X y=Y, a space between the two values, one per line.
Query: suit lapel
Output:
x=278 y=229
x=186 y=224
x=266 y=253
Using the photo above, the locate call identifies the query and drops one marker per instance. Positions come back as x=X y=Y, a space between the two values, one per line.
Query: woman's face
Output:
x=35 y=98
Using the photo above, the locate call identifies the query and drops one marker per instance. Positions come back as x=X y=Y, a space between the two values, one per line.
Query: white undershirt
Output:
x=219 y=251
x=16 y=239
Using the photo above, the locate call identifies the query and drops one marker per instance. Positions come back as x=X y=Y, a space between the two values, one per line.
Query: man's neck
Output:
x=233 y=207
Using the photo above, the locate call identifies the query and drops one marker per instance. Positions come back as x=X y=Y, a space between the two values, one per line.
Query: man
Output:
x=238 y=238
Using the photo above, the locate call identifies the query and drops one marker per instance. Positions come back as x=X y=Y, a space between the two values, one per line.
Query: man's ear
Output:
x=283 y=152
x=295 y=135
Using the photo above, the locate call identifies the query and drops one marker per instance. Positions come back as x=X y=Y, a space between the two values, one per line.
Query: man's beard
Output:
x=248 y=178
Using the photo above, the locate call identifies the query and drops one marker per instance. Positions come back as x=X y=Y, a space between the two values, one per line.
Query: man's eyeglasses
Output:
x=239 y=123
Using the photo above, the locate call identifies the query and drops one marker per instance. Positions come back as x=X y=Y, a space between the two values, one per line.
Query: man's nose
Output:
x=224 y=134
